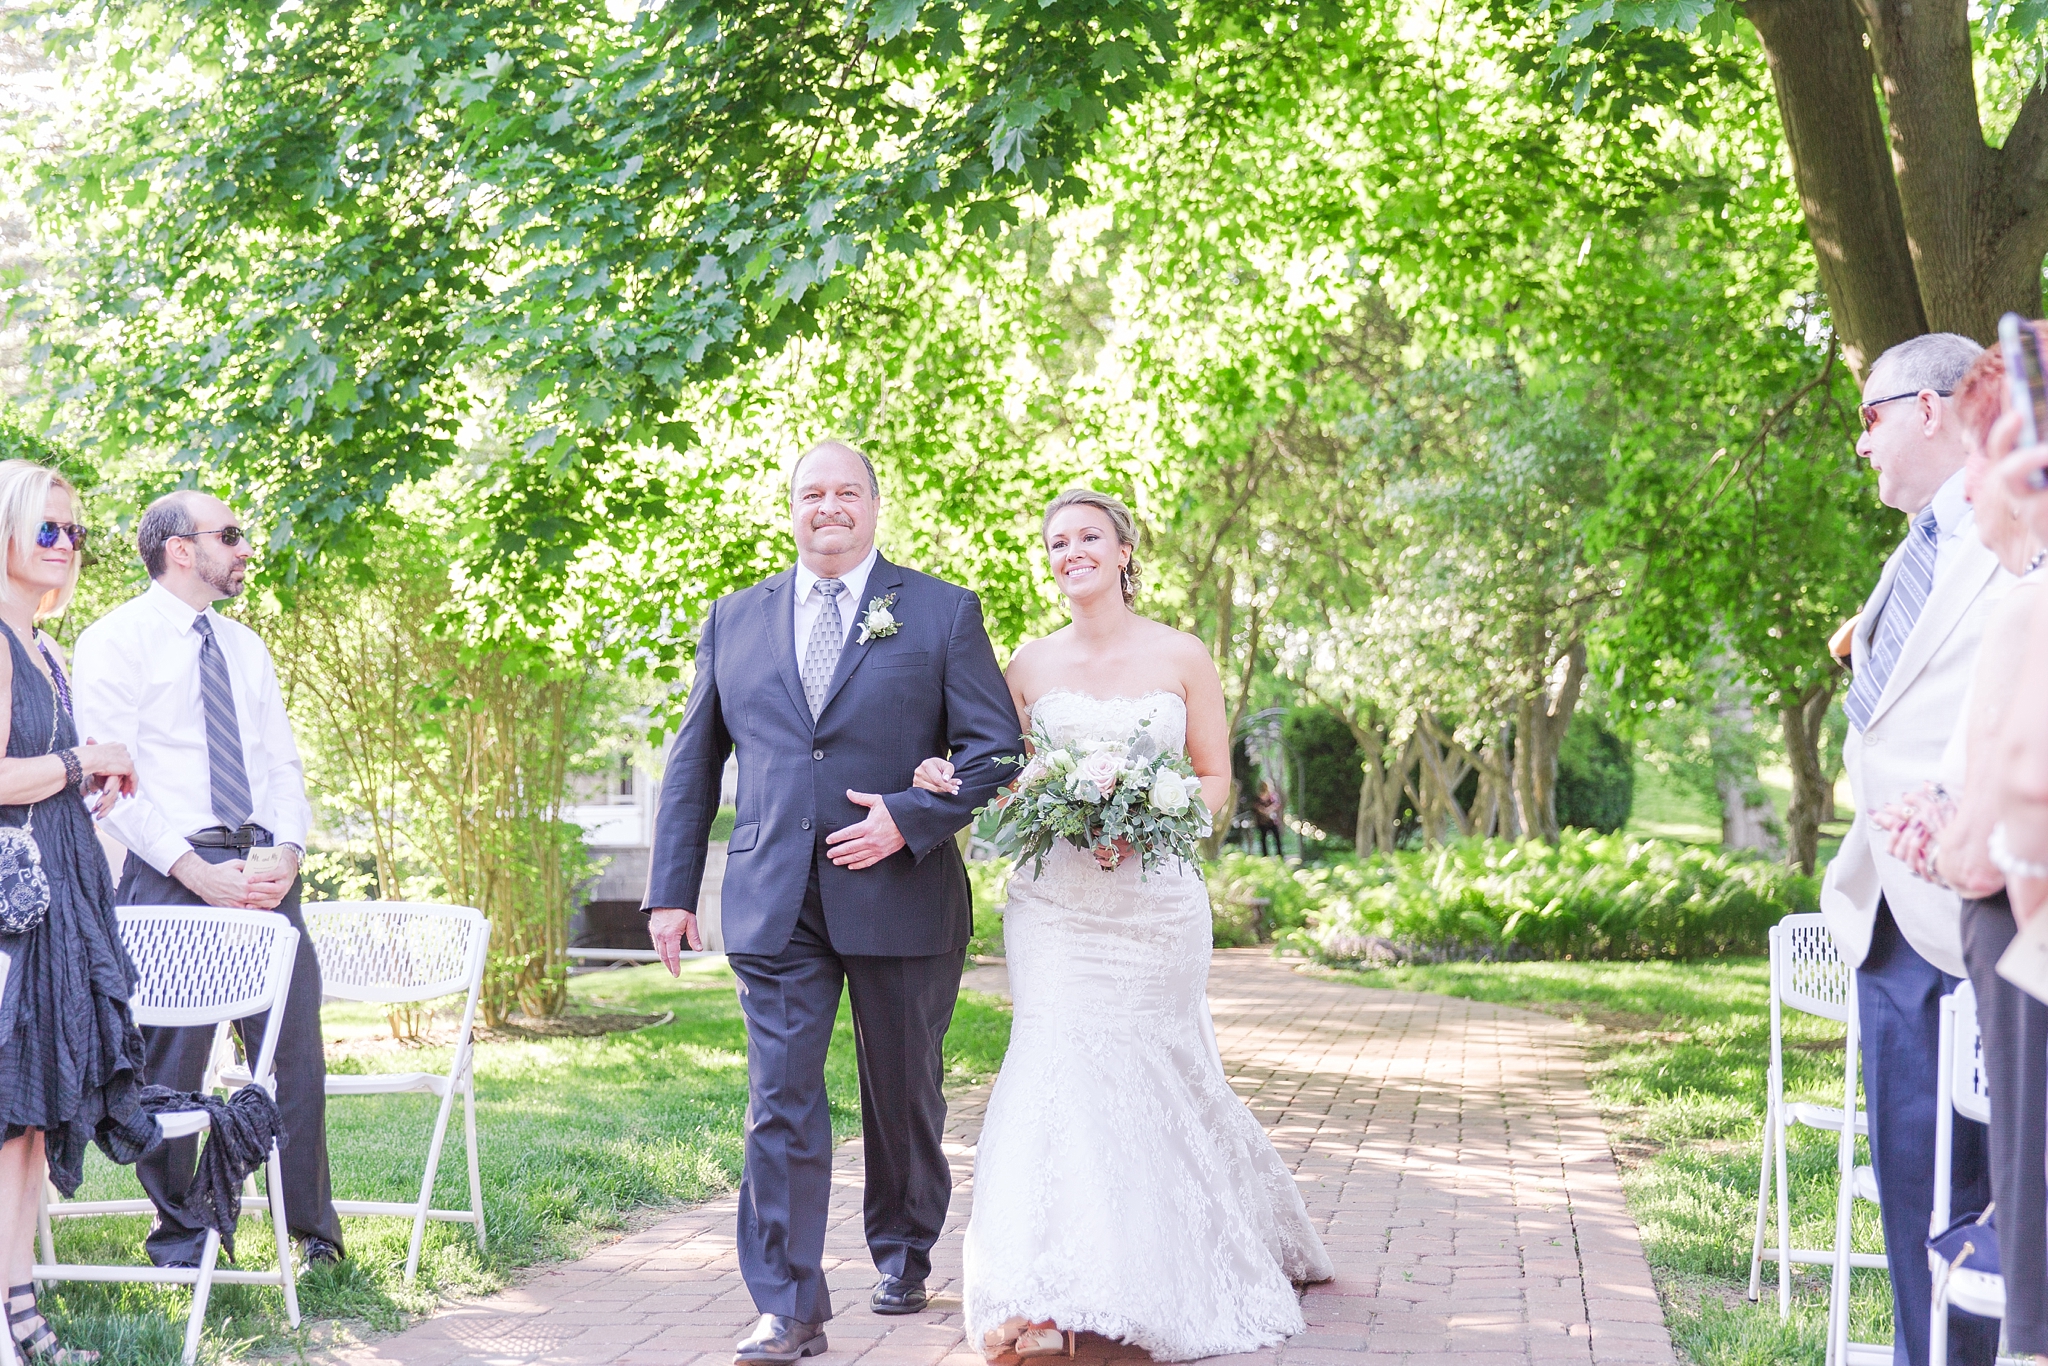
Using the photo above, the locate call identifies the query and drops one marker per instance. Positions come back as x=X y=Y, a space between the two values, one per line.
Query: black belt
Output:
x=220 y=837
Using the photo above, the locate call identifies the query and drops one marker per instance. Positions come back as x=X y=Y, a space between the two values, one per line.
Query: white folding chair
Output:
x=1807 y=974
x=199 y=965
x=1964 y=1091
x=392 y=952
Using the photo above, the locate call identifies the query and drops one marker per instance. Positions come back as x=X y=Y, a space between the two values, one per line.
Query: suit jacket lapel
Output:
x=883 y=580
x=1971 y=567
x=781 y=609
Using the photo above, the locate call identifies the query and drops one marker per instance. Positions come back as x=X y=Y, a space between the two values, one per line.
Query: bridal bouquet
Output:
x=1098 y=792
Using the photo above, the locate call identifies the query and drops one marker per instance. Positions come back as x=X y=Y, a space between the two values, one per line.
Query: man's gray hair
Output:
x=163 y=520
x=1936 y=361
x=874 y=484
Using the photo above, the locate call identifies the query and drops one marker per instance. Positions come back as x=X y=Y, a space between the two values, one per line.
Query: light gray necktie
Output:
x=821 y=653
x=231 y=803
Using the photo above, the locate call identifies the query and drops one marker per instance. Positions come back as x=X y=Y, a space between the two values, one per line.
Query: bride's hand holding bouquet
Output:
x=1113 y=798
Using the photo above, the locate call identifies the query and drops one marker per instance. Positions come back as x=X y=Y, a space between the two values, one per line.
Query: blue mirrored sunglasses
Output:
x=47 y=533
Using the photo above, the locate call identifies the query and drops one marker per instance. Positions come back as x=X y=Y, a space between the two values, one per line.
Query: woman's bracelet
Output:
x=2011 y=864
x=74 y=772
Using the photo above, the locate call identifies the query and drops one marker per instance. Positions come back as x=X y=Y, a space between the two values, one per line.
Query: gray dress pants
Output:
x=177 y=1059
x=2015 y=1030
x=901 y=1010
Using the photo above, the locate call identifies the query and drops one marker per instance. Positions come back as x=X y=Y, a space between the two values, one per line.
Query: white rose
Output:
x=1100 y=768
x=1169 y=794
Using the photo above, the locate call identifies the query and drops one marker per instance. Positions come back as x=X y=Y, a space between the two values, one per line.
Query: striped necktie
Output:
x=231 y=801
x=1910 y=587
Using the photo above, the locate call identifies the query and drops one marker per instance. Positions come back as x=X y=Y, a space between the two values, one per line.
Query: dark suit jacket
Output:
x=931 y=688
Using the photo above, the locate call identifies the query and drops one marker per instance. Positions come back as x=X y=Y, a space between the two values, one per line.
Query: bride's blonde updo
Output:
x=1120 y=521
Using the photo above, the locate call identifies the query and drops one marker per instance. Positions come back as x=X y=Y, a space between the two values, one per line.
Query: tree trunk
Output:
x=1813 y=797
x=1973 y=213
x=1540 y=722
x=1747 y=820
x=1822 y=76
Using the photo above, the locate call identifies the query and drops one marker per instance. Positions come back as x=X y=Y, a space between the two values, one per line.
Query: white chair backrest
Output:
x=1810 y=974
x=1970 y=1090
x=390 y=952
x=203 y=965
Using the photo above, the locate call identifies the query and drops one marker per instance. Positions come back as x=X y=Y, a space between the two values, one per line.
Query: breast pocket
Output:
x=912 y=659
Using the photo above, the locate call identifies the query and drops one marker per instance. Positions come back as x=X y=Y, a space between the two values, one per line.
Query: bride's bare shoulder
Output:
x=1035 y=657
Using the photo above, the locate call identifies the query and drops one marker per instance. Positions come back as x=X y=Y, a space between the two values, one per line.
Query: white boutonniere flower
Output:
x=879 y=623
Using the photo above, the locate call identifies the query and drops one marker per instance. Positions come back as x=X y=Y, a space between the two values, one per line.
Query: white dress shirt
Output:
x=810 y=602
x=136 y=681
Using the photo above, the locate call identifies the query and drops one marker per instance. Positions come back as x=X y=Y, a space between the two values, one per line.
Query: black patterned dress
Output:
x=70 y=1054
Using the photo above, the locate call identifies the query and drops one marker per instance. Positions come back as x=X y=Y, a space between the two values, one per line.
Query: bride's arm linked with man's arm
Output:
x=981 y=736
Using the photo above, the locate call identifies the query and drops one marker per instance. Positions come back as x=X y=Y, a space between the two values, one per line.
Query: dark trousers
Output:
x=1898 y=1001
x=901 y=1009
x=2015 y=1030
x=177 y=1059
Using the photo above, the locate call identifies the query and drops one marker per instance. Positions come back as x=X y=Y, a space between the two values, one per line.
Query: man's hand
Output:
x=668 y=928
x=874 y=839
x=217 y=884
x=267 y=891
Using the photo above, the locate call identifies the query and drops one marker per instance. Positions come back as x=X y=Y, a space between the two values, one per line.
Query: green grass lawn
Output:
x=575 y=1134
x=1677 y=1055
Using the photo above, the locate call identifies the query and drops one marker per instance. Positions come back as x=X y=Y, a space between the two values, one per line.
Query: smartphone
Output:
x=2027 y=378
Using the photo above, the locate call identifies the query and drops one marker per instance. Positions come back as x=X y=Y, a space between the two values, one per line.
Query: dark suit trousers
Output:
x=177 y=1059
x=1898 y=1000
x=2015 y=1029
x=901 y=1009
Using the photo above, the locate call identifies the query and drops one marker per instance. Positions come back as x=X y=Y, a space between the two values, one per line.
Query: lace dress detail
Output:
x=1120 y=1186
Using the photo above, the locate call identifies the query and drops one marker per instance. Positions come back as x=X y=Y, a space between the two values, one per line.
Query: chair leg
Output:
x=419 y=1219
x=1778 y=1139
x=202 y=1290
x=1763 y=1201
x=287 y=1269
x=476 y=1181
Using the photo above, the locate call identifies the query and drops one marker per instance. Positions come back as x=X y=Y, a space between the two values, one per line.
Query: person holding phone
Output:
x=1914 y=645
x=221 y=820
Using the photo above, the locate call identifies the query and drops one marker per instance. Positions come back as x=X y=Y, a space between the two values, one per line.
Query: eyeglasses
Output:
x=229 y=535
x=1870 y=408
x=48 y=532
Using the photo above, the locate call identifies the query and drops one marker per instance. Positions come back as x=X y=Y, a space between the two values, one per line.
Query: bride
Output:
x=1120 y=1187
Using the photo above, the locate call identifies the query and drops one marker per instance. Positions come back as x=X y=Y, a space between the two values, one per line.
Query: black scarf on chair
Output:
x=238 y=1140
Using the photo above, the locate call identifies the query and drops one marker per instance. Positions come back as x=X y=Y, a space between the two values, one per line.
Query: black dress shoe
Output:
x=780 y=1338
x=318 y=1252
x=898 y=1297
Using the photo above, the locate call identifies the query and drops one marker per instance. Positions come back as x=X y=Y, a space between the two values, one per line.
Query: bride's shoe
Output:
x=999 y=1344
x=1046 y=1341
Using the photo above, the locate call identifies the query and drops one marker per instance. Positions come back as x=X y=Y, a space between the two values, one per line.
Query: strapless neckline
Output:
x=1120 y=697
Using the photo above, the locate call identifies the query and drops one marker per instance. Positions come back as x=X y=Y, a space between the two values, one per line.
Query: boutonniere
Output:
x=878 y=623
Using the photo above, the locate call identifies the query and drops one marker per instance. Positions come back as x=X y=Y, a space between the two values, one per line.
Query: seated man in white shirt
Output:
x=194 y=697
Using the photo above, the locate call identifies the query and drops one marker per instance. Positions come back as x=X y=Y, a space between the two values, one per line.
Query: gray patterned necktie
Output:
x=231 y=802
x=821 y=652
x=1910 y=587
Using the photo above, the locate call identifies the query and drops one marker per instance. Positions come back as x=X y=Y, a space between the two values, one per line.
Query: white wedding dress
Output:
x=1120 y=1186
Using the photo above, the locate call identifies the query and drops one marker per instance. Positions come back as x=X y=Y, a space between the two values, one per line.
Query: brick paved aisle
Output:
x=1449 y=1150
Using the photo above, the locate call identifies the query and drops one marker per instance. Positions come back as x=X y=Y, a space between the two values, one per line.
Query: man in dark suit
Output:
x=832 y=681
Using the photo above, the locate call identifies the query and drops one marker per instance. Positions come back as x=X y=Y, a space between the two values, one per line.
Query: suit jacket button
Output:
x=807 y=822
x=817 y=754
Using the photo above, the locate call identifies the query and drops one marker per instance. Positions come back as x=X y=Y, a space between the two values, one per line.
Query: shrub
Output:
x=1596 y=778
x=1329 y=770
x=1237 y=883
x=989 y=879
x=1589 y=896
